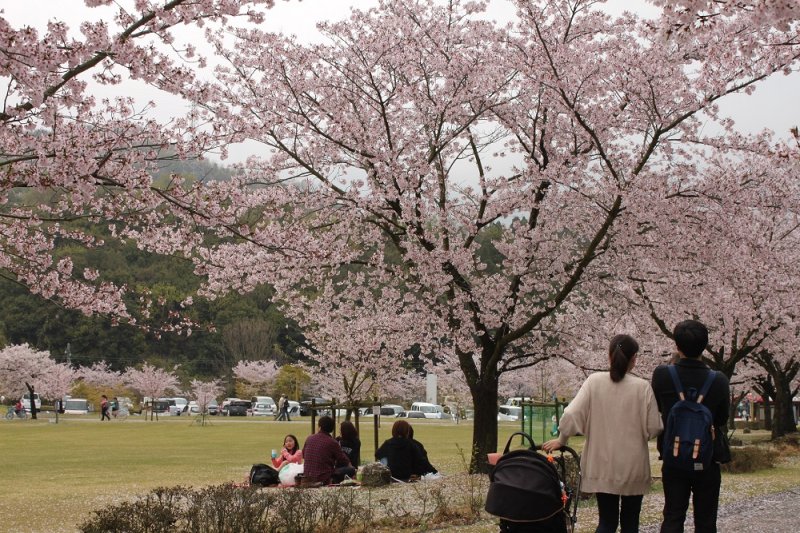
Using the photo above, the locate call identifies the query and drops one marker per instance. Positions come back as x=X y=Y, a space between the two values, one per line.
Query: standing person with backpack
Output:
x=693 y=401
x=617 y=413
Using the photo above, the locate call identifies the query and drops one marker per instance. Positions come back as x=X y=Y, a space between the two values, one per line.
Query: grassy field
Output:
x=56 y=474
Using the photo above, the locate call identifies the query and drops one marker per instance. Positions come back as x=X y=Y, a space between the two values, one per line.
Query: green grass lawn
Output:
x=55 y=475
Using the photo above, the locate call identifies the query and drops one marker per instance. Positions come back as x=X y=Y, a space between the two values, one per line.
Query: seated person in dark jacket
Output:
x=350 y=443
x=324 y=460
x=402 y=456
x=427 y=467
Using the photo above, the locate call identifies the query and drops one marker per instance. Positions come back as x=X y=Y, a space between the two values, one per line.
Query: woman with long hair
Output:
x=290 y=453
x=618 y=414
x=350 y=443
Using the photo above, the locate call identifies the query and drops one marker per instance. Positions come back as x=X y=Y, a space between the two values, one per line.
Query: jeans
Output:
x=340 y=472
x=703 y=487
x=612 y=514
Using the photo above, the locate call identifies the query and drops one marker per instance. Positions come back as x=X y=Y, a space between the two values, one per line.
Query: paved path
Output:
x=770 y=513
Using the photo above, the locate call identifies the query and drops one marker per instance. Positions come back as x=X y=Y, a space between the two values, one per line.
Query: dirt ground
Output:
x=770 y=513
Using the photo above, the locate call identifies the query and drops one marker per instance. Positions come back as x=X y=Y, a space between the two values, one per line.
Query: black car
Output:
x=305 y=407
x=238 y=408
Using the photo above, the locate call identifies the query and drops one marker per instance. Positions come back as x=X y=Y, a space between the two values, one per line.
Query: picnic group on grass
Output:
x=325 y=460
x=618 y=414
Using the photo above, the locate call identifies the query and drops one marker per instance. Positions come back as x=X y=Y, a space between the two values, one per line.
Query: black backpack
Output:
x=524 y=486
x=688 y=442
x=263 y=475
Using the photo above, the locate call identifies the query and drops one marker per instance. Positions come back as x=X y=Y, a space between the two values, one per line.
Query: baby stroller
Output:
x=535 y=493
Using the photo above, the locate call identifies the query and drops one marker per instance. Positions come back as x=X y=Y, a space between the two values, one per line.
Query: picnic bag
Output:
x=688 y=442
x=289 y=472
x=264 y=475
x=524 y=486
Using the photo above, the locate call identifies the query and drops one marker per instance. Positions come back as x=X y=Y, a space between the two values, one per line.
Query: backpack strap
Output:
x=676 y=382
x=707 y=385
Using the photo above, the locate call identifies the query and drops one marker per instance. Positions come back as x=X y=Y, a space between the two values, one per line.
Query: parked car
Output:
x=238 y=408
x=160 y=406
x=26 y=401
x=267 y=403
x=213 y=407
x=411 y=414
x=262 y=409
x=429 y=410
x=510 y=413
x=179 y=407
x=294 y=408
x=386 y=410
x=305 y=407
x=76 y=406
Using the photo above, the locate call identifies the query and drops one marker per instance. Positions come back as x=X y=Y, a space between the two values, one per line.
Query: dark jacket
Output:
x=352 y=449
x=692 y=373
x=426 y=466
x=403 y=456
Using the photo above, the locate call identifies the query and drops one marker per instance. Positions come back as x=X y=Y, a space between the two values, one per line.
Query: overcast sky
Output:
x=775 y=105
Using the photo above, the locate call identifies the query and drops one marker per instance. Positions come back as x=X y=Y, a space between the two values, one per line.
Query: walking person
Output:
x=703 y=485
x=618 y=414
x=283 y=408
x=286 y=408
x=104 y=408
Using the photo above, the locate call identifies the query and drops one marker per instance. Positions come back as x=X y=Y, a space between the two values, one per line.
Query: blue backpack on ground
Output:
x=689 y=433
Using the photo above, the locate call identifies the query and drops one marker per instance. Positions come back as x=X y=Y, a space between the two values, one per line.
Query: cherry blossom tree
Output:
x=256 y=375
x=57 y=383
x=71 y=159
x=204 y=393
x=150 y=381
x=100 y=374
x=455 y=179
x=693 y=15
x=24 y=369
x=726 y=252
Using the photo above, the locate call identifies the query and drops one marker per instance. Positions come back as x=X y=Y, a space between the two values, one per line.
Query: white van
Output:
x=76 y=406
x=271 y=406
x=26 y=401
x=509 y=413
x=428 y=409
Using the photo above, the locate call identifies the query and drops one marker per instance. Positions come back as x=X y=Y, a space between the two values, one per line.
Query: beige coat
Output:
x=617 y=419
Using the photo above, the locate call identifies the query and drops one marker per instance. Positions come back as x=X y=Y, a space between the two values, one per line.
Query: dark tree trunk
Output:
x=764 y=387
x=32 y=401
x=484 y=432
x=779 y=381
x=733 y=409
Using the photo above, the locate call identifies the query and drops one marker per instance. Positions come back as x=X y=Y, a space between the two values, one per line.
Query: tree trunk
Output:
x=484 y=432
x=778 y=386
x=32 y=402
x=783 y=421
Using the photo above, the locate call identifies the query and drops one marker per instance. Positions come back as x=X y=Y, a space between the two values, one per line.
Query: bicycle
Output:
x=11 y=413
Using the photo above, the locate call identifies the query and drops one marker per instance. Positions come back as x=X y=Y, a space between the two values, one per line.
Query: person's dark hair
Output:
x=401 y=429
x=296 y=444
x=348 y=431
x=621 y=350
x=691 y=338
x=326 y=424
x=411 y=432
